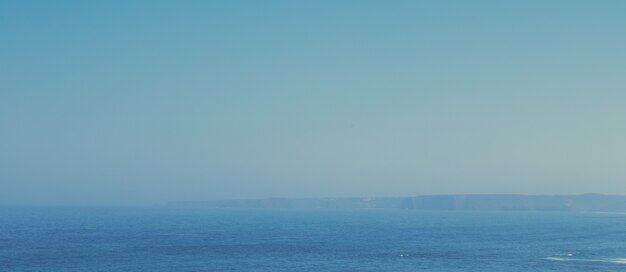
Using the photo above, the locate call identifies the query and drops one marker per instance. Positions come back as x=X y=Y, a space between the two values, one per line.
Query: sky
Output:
x=144 y=102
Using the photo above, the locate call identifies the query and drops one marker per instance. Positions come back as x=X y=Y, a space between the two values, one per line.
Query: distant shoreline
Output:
x=487 y=202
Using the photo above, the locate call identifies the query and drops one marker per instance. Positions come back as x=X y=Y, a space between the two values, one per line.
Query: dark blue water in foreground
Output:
x=161 y=239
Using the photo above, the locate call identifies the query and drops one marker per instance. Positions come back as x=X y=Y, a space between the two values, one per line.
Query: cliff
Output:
x=494 y=202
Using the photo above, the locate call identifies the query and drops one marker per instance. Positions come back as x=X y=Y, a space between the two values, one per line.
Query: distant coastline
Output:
x=486 y=202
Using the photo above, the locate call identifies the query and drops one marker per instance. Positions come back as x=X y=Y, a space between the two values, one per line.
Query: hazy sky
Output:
x=138 y=102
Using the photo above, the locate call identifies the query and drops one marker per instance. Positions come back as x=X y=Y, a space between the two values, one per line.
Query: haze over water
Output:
x=110 y=110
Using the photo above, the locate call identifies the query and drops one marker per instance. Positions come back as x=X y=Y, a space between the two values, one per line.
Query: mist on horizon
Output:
x=146 y=102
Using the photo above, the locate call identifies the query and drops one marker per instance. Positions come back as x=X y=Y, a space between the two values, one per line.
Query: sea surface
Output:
x=169 y=239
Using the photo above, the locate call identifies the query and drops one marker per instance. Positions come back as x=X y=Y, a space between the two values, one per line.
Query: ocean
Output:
x=178 y=239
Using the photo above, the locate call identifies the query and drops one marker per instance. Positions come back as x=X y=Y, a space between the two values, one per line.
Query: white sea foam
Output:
x=561 y=259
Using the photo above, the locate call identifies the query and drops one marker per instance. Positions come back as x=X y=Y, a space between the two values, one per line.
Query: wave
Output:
x=565 y=259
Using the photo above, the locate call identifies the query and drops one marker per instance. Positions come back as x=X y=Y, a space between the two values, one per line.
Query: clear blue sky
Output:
x=137 y=102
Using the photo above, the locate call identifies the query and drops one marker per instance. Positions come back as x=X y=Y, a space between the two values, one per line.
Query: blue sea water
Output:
x=167 y=239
